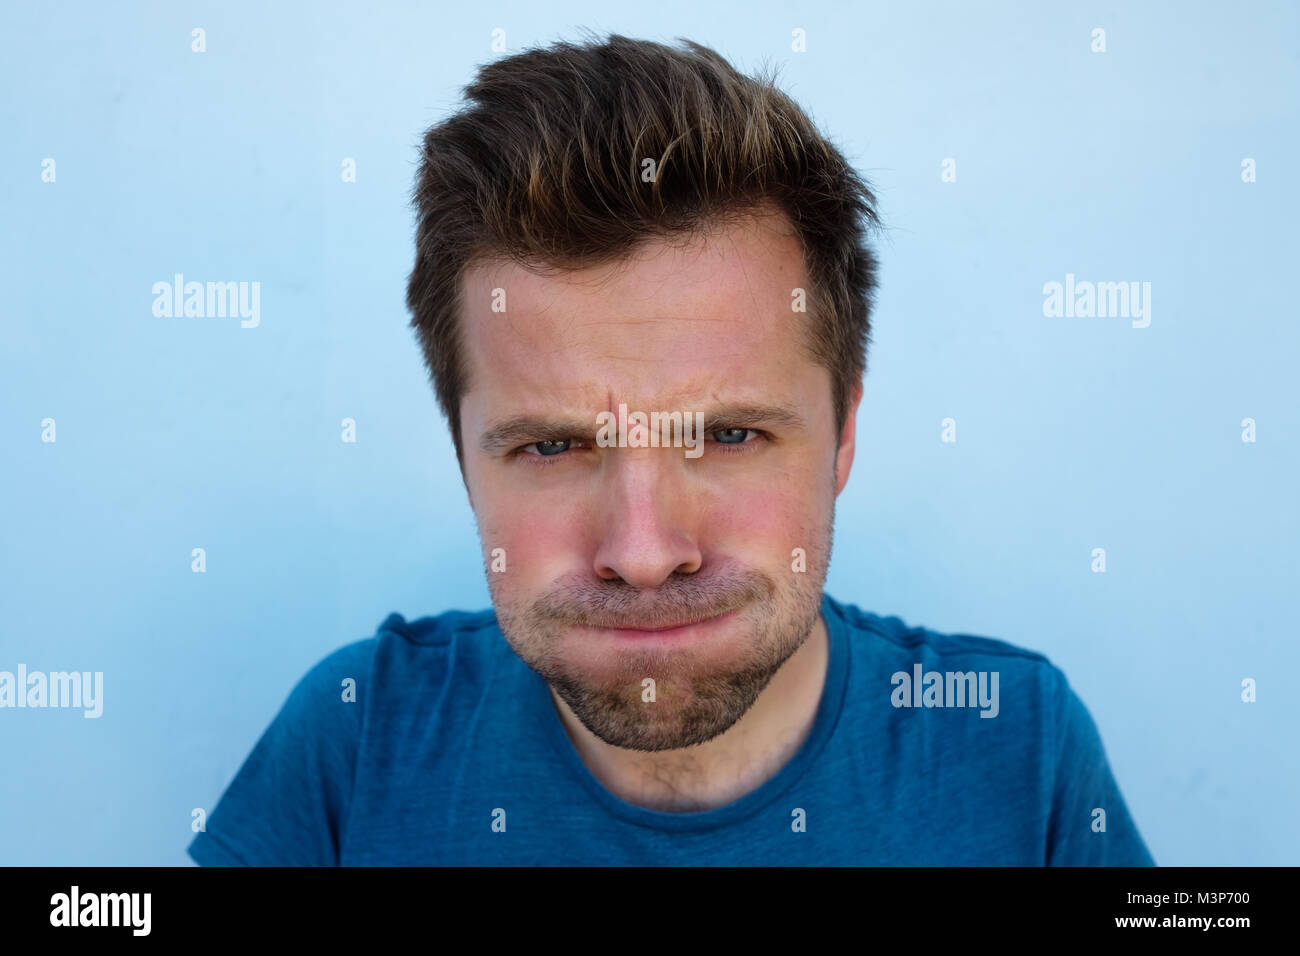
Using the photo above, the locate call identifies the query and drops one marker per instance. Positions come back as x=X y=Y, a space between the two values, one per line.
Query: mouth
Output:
x=670 y=632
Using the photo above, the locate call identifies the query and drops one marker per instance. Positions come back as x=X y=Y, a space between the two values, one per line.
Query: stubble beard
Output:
x=694 y=701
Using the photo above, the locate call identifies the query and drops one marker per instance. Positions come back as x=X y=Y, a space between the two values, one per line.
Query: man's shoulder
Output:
x=437 y=630
x=1051 y=770
x=455 y=653
x=892 y=644
x=467 y=638
x=905 y=637
x=401 y=652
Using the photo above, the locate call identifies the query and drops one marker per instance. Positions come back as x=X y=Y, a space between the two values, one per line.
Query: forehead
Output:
x=702 y=320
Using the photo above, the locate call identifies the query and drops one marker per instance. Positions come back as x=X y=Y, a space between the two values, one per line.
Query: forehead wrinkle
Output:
x=671 y=325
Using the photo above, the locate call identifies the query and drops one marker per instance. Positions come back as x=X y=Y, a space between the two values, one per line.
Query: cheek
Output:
x=542 y=540
x=756 y=518
x=760 y=523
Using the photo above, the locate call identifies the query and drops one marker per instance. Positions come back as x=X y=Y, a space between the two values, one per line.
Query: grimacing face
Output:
x=628 y=563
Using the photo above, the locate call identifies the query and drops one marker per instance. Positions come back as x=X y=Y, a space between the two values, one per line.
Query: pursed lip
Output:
x=673 y=630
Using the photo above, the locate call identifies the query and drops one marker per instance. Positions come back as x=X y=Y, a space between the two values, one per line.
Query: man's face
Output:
x=628 y=564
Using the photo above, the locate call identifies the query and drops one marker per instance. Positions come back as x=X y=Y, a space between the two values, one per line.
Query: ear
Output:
x=848 y=437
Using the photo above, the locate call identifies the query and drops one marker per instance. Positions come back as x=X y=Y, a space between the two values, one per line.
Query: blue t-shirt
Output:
x=452 y=753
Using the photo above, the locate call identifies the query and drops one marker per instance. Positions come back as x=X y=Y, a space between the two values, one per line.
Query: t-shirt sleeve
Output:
x=287 y=803
x=1083 y=785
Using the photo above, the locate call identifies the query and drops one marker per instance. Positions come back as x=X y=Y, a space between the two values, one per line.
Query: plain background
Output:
x=1072 y=433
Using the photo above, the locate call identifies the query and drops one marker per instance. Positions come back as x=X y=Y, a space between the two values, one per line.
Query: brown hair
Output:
x=545 y=168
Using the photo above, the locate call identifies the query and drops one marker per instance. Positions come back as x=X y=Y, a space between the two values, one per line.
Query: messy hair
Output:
x=570 y=156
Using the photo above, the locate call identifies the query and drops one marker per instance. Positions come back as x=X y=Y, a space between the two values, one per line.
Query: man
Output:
x=642 y=287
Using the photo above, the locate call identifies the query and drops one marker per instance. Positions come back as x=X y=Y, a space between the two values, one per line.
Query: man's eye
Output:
x=548 y=449
x=732 y=436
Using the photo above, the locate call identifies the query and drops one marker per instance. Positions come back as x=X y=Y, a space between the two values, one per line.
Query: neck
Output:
x=730 y=765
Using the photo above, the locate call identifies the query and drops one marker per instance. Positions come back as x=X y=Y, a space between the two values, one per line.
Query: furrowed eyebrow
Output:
x=753 y=416
x=529 y=429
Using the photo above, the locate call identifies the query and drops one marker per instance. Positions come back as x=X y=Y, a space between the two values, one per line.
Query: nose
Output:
x=647 y=530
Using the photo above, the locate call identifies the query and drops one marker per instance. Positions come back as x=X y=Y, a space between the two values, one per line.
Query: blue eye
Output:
x=731 y=436
x=549 y=448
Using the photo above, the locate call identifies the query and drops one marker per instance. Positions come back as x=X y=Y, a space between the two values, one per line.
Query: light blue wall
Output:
x=1072 y=433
